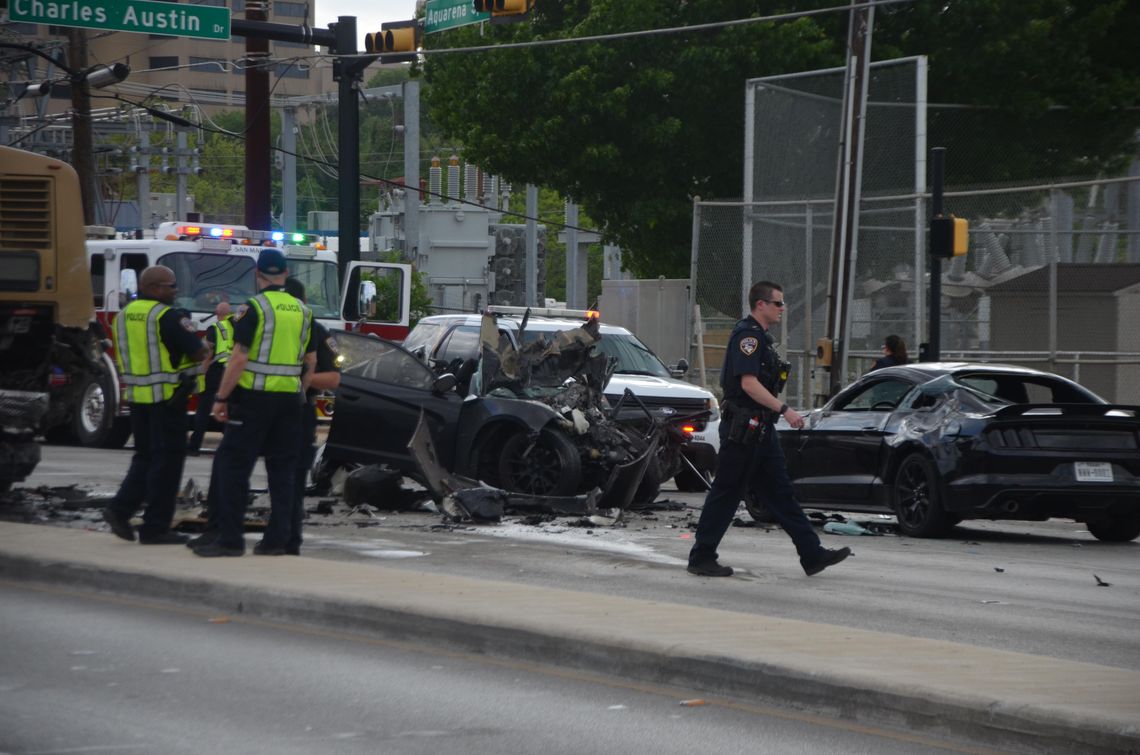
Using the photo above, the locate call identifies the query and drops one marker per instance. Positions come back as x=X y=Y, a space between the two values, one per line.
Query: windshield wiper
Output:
x=636 y=372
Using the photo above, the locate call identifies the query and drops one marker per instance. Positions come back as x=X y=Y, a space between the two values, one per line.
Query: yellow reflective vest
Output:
x=144 y=361
x=223 y=346
x=278 y=348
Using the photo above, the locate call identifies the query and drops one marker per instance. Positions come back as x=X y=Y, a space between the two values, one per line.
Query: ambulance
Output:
x=214 y=263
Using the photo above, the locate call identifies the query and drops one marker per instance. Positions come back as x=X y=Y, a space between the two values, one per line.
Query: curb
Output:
x=896 y=705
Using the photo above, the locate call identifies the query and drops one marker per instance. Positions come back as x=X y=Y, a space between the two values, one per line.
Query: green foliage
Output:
x=421 y=304
x=635 y=128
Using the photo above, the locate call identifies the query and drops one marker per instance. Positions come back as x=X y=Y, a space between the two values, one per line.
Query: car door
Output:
x=383 y=389
x=838 y=453
x=376 y=298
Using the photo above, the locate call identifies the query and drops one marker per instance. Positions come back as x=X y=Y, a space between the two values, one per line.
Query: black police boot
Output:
x=826 y=558
x=119 y=524
x=710 y=569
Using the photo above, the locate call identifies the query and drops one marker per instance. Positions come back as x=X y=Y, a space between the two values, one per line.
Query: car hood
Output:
x=650 y=386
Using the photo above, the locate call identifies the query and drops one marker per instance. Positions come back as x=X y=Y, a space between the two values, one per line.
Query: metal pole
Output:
x=411 y=168
x=257 y=115
x=694 y=309
x=1054 y=235
x=180 y=176
x=575 y=297
x=144 y=178
x=289 y=168
x=934 y=349
x=346 y=71
x=919 y=188
x=532 y=245
x=809 y=307
x=82 y=146
x=749 y=194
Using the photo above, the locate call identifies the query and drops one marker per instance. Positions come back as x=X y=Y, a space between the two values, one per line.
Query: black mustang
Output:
x=936 y=443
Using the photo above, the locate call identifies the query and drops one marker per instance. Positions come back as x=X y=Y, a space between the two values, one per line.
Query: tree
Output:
x=634 y=128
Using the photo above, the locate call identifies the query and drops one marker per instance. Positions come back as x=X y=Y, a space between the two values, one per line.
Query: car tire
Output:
x=689 y=481
x=650 y=486
x=1120 y=528
x=757 y=509
x=92 y=418
x=916 y=495
x=548 y=466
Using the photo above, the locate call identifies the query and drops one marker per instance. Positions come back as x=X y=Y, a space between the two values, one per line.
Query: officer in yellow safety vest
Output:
x=157 y=348
x=259 y=401
x=220 y=339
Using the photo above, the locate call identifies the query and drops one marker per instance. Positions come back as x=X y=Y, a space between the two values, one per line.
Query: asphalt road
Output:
x=1028 y=587
x=87 y=673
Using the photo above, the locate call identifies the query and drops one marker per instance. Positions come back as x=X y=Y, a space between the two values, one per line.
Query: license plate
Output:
x=1093 y=471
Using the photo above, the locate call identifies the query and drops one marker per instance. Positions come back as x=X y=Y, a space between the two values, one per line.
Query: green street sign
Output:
x=447 y=14
x=139 y=16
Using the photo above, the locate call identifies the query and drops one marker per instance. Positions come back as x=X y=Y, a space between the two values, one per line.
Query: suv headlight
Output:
x=712 y=405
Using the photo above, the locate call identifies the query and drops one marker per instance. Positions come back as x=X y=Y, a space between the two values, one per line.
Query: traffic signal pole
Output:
x=347 y=71
x=257 y=162
x=934 y=341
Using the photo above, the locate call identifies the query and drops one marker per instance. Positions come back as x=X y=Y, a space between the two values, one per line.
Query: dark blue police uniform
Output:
x=326 y=362
x=756 y=464
x=159 y=430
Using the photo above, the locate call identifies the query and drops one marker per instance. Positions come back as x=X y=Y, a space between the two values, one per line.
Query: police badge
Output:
x=748 y=345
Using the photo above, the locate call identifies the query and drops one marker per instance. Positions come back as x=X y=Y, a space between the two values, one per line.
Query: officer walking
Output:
x=220 y=339
x=325 y=378
x=156 y=347
x=259 y=399
x=750 y=455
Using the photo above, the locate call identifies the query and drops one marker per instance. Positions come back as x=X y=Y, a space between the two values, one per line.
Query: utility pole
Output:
x=848 y=190
x=82 y=142
x=348 y=71
x=257 y=180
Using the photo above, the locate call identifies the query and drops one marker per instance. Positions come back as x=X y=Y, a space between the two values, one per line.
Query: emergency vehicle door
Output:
x=377 y=299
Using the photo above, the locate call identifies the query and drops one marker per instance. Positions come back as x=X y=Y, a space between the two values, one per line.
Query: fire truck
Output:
x=214 y=263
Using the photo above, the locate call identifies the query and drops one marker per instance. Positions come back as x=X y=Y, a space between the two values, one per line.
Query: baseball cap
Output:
x=271 y=262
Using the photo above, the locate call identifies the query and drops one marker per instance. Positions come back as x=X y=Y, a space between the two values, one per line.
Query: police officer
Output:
x=325 y=378
x=220 y=339
x=750 y=454
x=259 y=399
x=156 y=347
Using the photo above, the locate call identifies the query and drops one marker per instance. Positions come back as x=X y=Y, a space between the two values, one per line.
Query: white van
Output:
x=448 y=339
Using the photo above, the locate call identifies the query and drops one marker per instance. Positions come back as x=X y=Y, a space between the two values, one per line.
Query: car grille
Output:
x=1063 y=440
x=680 y=406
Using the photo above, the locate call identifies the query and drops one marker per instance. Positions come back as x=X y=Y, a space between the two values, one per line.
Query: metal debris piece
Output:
x=1100 y=582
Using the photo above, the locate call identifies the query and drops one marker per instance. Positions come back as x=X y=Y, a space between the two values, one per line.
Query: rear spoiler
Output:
x=1069 y=410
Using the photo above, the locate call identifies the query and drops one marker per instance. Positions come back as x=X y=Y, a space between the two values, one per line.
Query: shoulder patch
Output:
x=188 y=325
x=240 y=313
x=331 y=343
x=748 y=345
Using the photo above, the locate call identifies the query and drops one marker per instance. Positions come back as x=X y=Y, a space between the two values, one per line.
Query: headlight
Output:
x=714 y=408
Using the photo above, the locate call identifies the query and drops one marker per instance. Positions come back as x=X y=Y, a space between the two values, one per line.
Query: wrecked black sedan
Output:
x=531 y=421
x=937 y=443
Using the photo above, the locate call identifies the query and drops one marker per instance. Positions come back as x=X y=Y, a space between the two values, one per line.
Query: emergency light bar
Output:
x=238 y=234
x=584 y=314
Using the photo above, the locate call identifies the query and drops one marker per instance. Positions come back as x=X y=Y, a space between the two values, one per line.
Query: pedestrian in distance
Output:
x=326 y=377
x=894 y=353
x=157 y=350
x=220 y=340
x=259 y=401
x=750 y=457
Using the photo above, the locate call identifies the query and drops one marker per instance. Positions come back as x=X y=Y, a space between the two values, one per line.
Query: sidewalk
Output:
x=1001 y=698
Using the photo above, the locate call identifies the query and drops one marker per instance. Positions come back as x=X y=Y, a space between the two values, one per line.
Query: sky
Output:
x=369 y=14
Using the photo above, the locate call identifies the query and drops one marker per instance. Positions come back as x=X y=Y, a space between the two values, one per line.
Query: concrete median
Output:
x=1000 y=698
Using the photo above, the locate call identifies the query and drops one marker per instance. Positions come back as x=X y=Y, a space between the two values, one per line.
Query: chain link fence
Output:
x=1051 y=280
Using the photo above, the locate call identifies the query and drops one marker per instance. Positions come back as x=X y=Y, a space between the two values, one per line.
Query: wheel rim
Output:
x=92 y=409
x=913 y=495
x=536 y=471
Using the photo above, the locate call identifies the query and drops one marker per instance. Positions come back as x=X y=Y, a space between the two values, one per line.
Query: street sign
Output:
x=444 y=14
x=139 y=16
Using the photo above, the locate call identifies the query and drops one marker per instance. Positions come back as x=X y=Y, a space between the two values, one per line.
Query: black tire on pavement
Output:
x=549 y=466
x=916 y=494
x=689 y=481
x=757 y=509
x=1119 y=528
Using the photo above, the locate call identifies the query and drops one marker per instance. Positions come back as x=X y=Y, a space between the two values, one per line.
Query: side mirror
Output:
x=679 y=369
x=444 y=383
x=128 y=286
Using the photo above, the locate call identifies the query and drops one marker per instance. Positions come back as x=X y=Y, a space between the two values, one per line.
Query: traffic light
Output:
x=505 y=11
x=949 y=236
x=396 y=42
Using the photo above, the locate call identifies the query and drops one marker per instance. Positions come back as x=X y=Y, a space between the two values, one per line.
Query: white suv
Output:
x=443 y=339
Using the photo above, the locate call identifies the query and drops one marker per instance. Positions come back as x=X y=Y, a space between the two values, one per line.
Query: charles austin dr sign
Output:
x=142 y=16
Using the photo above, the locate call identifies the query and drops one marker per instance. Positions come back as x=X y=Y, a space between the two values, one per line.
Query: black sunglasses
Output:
x=781 y=303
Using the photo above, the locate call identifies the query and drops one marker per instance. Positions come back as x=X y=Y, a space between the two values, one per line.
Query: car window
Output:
x=460 y=343
x=424 y=334
x=1025 y=389
x=882 y=395
x=376 y=359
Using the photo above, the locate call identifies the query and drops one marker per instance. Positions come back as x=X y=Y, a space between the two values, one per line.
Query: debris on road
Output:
x=1100 y=582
